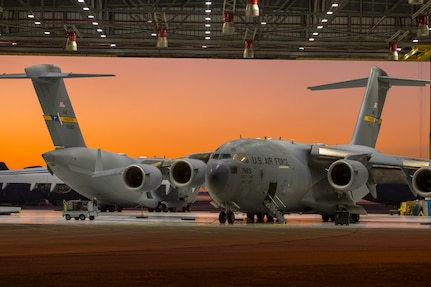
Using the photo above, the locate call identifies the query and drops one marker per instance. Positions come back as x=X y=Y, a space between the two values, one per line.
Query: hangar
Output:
x=278 y=29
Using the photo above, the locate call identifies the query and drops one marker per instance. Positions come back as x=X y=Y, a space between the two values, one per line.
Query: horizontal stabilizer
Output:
x=403 y=82
x=51 y=75
x=357 y=83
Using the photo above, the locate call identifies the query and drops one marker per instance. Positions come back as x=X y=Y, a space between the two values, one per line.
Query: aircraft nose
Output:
x=218 y=175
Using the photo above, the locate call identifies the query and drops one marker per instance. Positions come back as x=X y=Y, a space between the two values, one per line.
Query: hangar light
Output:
x=393 y=51
x=228 y=25
x=252 y=8
x=162 y=38
x=71 y=41
x=248 y=49
x=423 y=29
x=416 y=2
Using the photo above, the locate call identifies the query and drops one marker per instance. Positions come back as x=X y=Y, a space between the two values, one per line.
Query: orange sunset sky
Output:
x=173 y=107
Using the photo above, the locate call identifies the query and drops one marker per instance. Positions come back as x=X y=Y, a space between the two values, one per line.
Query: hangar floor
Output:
x=40 y=248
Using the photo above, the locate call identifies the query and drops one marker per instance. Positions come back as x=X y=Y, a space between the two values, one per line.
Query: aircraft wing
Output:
x=382 y=168
x=33 y=176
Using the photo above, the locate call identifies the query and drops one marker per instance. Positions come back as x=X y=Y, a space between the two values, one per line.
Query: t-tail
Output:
x=54 y=100
x=369 y=119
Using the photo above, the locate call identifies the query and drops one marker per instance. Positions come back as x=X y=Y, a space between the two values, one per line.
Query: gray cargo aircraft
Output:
x=116 y=180
x=274 y=177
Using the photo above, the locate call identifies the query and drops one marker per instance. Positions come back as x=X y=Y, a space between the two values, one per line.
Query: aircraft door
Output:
x=272 y=188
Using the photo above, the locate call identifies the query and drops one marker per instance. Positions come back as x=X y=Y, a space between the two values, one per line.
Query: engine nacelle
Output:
x=422 y=182
x=347 y=175
x=142 y=177
x=187 y=172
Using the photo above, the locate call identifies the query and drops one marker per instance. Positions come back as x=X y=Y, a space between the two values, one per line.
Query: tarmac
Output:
x=41 y=248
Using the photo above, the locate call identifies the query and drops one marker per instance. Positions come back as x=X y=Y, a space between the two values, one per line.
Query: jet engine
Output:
x=347 y=175
x=422 y=181
x=187 y=172
x=140 y=177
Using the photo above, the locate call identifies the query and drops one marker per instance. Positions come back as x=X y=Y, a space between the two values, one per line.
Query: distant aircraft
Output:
x=275 y=177
x=116 y=180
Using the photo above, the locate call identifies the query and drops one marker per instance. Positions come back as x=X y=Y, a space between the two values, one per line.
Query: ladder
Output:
x=272 y=209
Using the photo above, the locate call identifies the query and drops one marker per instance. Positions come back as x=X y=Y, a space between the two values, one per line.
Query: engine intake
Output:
x=422 y=182
x=347 y=175
x=187 y=172
x=142 y=177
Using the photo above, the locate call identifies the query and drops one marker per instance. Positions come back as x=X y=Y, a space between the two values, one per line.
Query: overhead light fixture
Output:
x=228 y=25
x=162 y=38
x=416 y=2
x=31 y=16
x=47 y=33
x=252 y=8
x=423 y=29
x=71 y=41
x=248 y=49
x=393 y=51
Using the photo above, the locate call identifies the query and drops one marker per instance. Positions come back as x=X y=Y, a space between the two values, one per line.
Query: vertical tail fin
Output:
x=58 y=111
x=377 y=85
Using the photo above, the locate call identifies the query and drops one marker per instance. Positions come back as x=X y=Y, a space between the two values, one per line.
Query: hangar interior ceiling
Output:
x=284 y=29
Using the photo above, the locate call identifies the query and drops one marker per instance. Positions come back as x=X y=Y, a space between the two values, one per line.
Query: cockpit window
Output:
x=215 y=156
x=241 y=157
x=226 y=156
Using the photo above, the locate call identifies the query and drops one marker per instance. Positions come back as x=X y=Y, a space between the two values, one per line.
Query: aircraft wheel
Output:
x=354 y=218
x=269 y=219
x=164 y=207
x=325 y=218
x=230 y=217
x=260 y=217
x=68 y=217
x=222 y=217
x=82 y=217
x=250 y=217
x=172 y=209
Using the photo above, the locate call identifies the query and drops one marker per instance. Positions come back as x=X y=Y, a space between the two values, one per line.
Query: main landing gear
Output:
x=341 y=217
x=229 y=216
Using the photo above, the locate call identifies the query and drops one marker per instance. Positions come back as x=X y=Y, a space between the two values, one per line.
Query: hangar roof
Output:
x=284 y=29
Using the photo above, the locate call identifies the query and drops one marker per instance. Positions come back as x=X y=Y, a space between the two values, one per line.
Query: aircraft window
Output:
x=226 y=156
x=241 y=157
x=215 y=156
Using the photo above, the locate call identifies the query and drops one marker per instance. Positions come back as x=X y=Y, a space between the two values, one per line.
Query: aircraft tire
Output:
x=354 y=218
x=260 y=217
x=325 y=218
x=269 y=218
x=222 y=217
x=164 y=207
x=250 y=217
x=230 y=217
